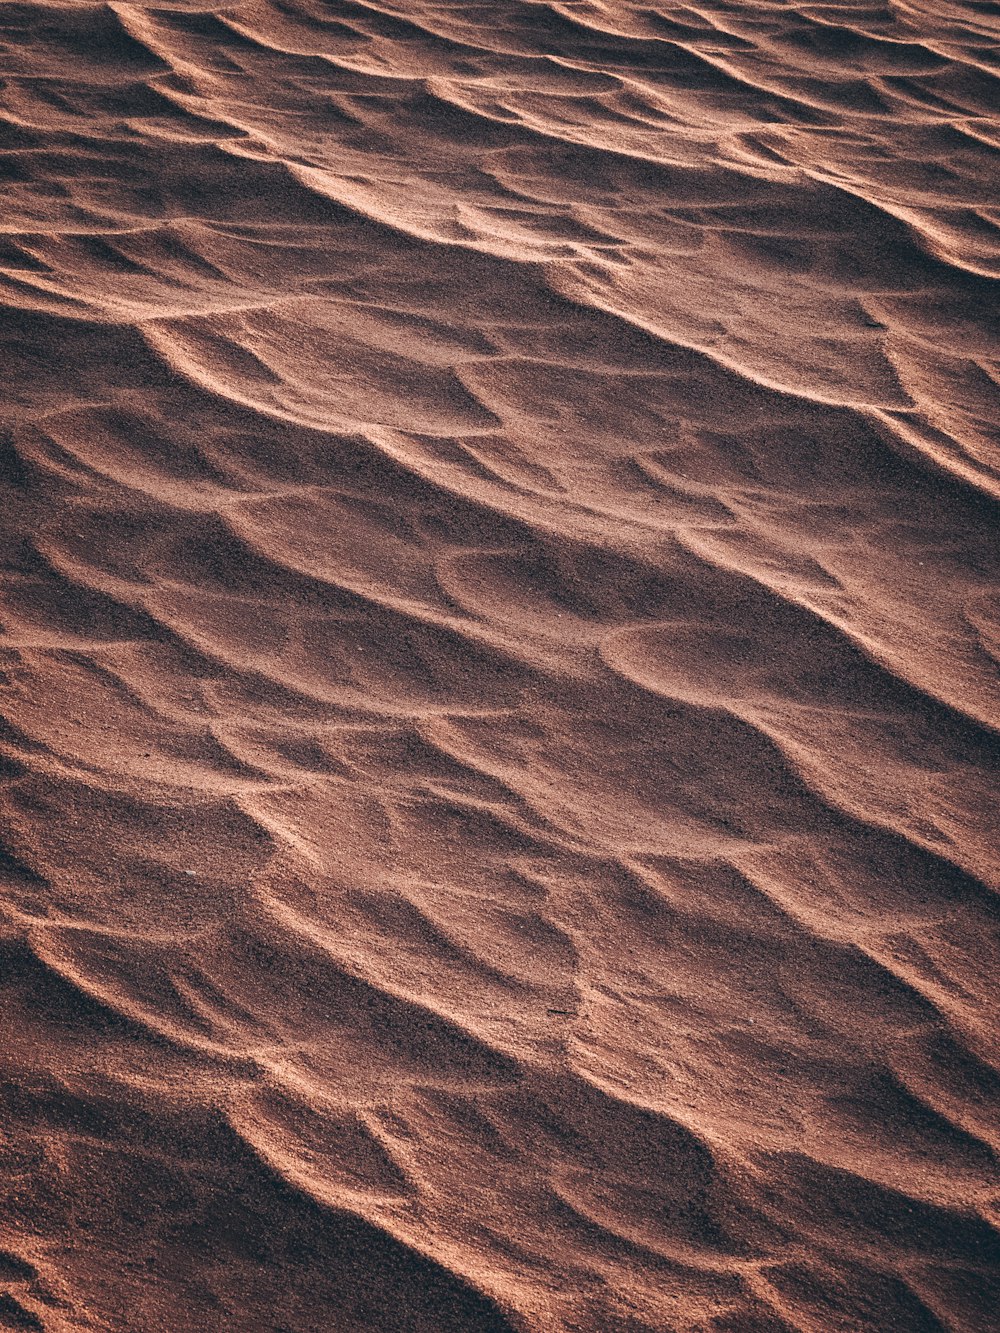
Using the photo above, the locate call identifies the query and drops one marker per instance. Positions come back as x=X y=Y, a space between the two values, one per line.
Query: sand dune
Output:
x=499 y=727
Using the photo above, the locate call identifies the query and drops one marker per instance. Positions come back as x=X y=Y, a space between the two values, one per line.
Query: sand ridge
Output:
x=499 y=716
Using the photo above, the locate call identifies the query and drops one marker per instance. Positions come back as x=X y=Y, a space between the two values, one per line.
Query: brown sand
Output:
x=500 y=704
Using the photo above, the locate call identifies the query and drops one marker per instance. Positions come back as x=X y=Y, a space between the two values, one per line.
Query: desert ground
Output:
x=499 y=707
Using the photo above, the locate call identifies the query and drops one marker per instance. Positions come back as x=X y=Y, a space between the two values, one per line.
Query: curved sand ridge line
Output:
x=499 y=718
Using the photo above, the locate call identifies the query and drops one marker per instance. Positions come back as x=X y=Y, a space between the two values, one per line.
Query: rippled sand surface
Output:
x=500 y=639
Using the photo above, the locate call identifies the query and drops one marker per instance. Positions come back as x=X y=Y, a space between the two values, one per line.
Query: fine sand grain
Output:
x=499 y=717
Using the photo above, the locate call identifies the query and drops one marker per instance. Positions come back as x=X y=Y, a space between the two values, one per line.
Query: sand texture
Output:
x=499 y=717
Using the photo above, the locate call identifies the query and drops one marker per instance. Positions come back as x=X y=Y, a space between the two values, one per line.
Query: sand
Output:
x=499 y=711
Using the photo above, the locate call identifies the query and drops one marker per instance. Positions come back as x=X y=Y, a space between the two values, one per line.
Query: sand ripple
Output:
x=499 y=731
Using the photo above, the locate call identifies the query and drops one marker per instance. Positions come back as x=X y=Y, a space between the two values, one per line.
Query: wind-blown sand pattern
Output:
x=499 y=722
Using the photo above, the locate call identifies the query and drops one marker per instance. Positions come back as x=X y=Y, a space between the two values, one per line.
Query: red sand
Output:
x=500 y=712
